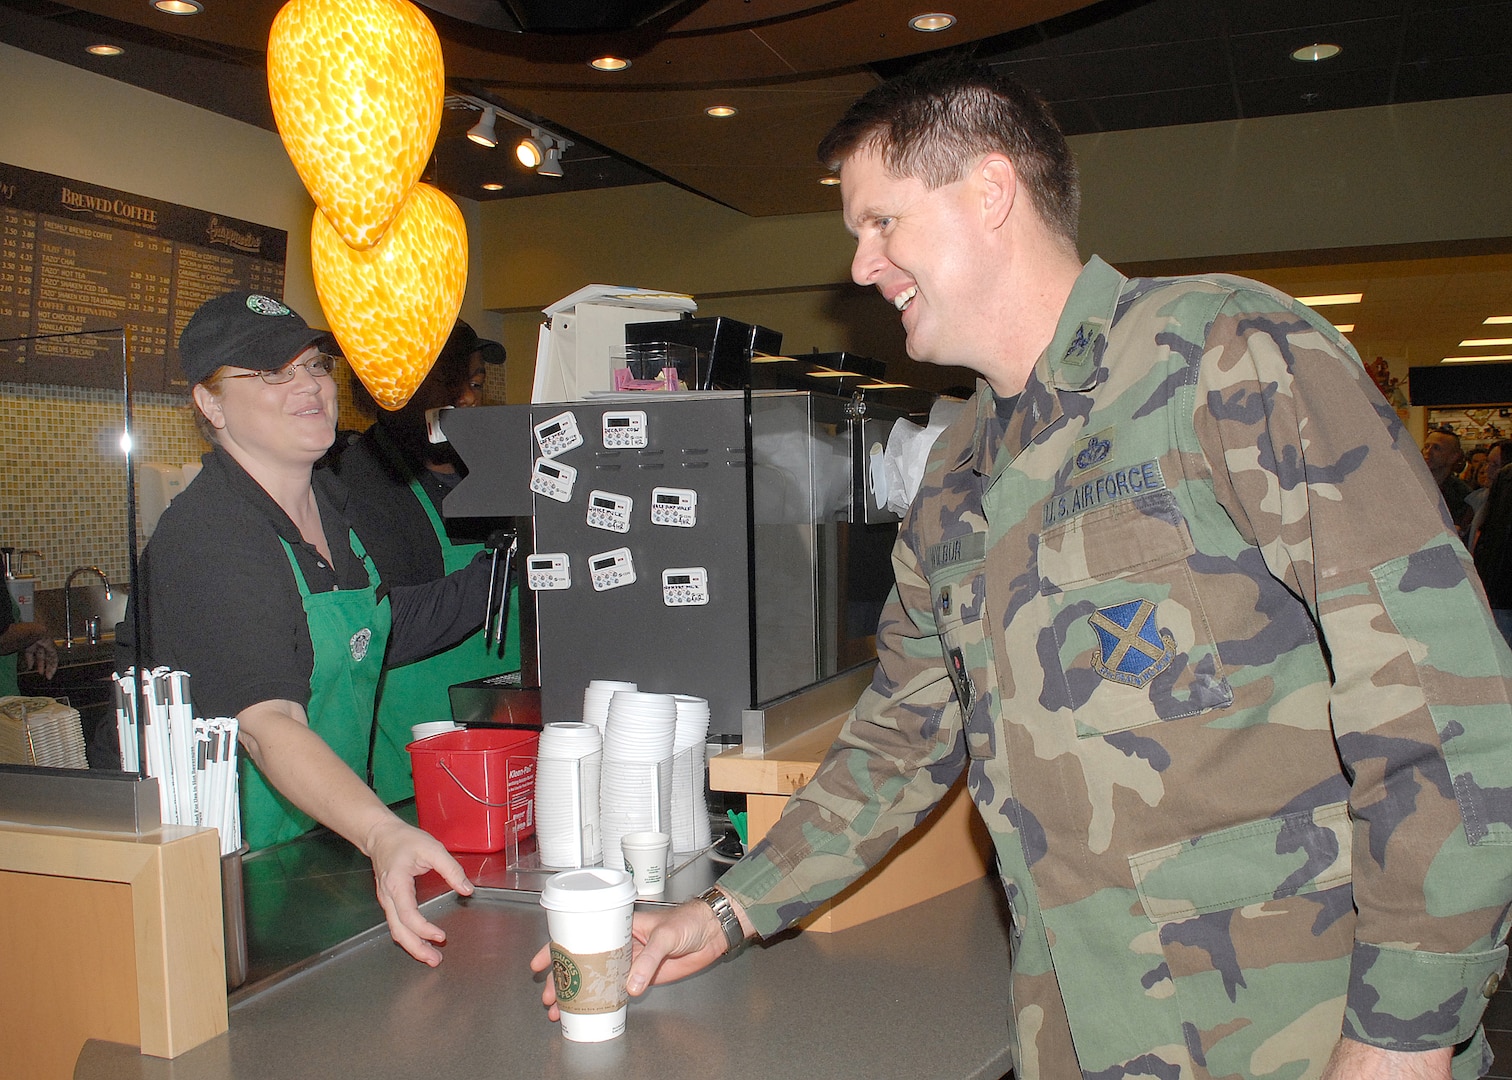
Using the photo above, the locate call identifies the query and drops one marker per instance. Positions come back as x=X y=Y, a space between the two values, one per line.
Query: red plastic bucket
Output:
x=472 y=787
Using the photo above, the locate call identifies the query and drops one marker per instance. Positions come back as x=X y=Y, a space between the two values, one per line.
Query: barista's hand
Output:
x=400 y=854
x=42 y=657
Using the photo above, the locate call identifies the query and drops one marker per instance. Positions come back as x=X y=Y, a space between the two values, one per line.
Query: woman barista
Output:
x=255 y=584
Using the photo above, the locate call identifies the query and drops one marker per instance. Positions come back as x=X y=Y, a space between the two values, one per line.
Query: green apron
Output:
x=349 y=629
x=8 y=684
x=416 y=693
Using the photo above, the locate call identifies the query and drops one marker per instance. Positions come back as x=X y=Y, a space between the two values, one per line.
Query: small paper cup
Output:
x=646 y=855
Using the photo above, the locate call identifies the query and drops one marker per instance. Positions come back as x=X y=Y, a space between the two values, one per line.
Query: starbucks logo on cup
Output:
x=566 y=974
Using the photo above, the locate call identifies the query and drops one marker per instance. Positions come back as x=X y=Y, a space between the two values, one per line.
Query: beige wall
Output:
x=1401 y=174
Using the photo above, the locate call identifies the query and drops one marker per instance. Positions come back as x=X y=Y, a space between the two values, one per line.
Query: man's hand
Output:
x=667 y=945
x=1356 y=1061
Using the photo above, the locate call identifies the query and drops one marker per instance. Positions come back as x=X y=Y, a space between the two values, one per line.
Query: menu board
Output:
x=79 y=263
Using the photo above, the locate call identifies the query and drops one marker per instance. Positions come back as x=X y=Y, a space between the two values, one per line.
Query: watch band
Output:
x=729 y=922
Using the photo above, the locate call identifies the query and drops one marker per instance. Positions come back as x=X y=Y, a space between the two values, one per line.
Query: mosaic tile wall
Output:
x=63 y=476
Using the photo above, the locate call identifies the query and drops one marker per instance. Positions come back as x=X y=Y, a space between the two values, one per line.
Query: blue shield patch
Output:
x=1132 y=650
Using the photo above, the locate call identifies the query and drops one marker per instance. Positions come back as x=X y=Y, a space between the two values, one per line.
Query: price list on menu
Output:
x=80 y=264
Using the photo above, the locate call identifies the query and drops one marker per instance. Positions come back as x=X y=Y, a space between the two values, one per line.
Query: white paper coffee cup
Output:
x=646 y=856
x=588 y=914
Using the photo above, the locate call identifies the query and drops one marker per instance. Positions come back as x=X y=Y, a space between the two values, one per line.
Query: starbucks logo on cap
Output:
x=359 y=643
x=266 y=305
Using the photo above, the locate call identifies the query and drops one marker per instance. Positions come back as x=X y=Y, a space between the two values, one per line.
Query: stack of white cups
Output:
x=596 y=700
x=635 y=794
x=690 y=811
x=567 y=786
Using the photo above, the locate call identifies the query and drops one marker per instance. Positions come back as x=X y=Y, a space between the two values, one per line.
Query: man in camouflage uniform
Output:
x=1240 y=742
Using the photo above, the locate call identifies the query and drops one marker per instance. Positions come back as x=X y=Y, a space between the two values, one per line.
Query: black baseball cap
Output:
x=244 y=329
x=464 y=341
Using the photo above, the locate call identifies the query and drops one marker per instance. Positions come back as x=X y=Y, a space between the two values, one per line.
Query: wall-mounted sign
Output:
x=77 y=257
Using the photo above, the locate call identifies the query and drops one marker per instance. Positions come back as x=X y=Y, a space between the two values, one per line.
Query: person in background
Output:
x=398 y=479
x=1497 y=454
x=1441 y=452
x=1470 y=474
x=255 y=583
x=1492 y=540
x=1240 y=745
x=24 y=646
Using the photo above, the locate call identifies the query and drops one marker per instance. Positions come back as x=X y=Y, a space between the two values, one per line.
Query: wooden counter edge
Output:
x=173 y=875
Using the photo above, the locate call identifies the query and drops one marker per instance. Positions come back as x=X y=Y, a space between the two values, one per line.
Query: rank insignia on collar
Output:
x=1076 y=351
x=1132 y=650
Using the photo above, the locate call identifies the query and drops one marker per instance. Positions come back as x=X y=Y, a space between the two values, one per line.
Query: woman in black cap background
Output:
x=256 y=584
x=398 y=480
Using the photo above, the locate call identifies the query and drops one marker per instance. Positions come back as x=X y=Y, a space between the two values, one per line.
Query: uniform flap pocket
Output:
x=1114 y=541
x=1245 y=864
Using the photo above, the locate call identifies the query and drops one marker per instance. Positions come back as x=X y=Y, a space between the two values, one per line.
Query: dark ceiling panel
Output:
x=1140 y=69
x=1368 y=43
x=1314 y=93
x=1189 y=105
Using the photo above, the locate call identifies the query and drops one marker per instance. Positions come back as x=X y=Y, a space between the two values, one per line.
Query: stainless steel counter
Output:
x=921 y=992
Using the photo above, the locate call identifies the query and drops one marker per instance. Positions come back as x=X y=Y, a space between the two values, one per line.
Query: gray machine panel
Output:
x=629 y=633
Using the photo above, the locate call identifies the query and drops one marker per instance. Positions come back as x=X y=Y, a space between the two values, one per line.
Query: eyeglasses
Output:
x=320 y=365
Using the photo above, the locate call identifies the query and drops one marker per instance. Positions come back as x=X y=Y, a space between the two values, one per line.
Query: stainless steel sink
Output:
x=86 y=653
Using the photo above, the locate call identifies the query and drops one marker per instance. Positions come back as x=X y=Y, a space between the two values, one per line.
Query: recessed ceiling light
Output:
x=1331 y=298
x=1345 y=327
x=721 y=110
x=1499 y=320
x=1479 y=342
x=1309 y=54
x=932 y=22
x=104 y=50
x=609 y=63
x=829 y=181
x=1474 y=359
x=493 y=187
x=179 y=7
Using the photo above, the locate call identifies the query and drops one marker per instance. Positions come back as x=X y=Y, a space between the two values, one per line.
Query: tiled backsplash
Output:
x=63 y=475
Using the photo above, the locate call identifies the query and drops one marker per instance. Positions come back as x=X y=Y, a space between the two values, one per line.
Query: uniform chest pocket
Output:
x=1130 y=642
x=958 y=593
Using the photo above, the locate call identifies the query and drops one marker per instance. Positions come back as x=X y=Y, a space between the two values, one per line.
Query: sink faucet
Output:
x=68 y=639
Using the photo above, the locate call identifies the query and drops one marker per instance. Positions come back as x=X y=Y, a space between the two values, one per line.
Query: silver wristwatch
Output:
x=729 y=922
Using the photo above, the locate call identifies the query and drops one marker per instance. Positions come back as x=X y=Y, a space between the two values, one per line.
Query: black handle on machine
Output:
x=499 y=588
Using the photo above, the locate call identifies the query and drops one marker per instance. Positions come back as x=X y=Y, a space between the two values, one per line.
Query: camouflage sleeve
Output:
x=897 y=755
x=1317 y=471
